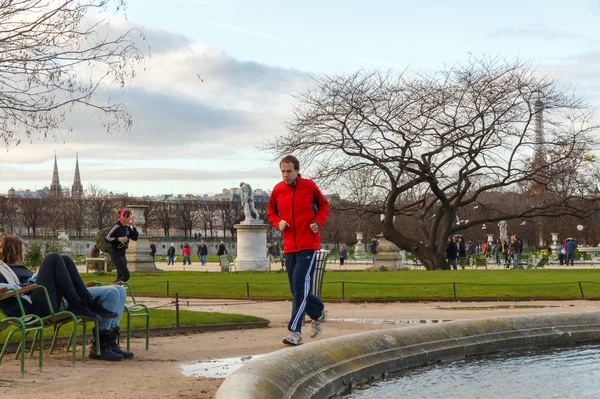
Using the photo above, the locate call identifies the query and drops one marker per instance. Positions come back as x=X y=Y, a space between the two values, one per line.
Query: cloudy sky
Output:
x=190 y=136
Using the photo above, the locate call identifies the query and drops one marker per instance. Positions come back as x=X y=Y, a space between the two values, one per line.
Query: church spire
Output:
x=55 y=186
x=77 y=188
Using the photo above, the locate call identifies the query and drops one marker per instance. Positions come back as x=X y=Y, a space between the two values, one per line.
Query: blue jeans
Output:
x=516 y=260
x=112 y=297
x=171 y=260
x=203 y=259
x=301 y=269
x=186 y=258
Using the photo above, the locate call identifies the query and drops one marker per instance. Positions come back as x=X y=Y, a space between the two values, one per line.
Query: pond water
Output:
x=557 y=373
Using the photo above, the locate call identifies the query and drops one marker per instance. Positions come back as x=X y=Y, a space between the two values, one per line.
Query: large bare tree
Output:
x=428 y=147
x=56 y=54
x=102 y=209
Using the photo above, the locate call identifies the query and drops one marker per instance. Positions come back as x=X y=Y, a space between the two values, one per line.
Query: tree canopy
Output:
x=56 y=55
x=429 y=146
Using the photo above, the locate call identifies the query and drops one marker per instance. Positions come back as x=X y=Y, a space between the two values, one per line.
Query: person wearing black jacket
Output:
x=202 y=252
x=222 y=250
x=452 y=253
x=171 y=255
x=118 y=237
x=152 y=248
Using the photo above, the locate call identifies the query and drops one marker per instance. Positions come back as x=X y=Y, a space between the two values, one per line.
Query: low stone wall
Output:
x=325 y=368
x=84 y=246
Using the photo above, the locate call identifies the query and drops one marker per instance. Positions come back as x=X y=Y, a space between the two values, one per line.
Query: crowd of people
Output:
x=507 y=252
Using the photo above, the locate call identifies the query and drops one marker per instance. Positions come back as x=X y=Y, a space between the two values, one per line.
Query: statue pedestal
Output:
x=252 y=246
x=138 y=252
x=388 y=255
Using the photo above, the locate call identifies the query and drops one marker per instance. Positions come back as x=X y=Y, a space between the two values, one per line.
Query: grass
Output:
x=161 y=318
x=390 y=285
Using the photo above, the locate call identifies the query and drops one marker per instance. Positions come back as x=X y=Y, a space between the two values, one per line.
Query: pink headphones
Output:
x=122 y=217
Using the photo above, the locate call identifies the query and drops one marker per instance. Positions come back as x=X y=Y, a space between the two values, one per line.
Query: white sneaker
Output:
x=294 y=338
x=316 y=326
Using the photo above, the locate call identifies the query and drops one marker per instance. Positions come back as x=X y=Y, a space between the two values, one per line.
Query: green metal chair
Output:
x=136 y=309
x=24 y=324
x=58 y=320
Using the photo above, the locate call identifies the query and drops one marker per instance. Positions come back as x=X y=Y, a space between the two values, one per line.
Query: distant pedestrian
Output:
x=452 y=253
x=202 y=252
x=171 y=255
x=222 y=250
x=472 y=249
x=571 y=247
x=373 y=247
x=186 y=252
x=343 y=254
x=276 y=251
x=497 y=248
x=152 y=248
x=95 y=252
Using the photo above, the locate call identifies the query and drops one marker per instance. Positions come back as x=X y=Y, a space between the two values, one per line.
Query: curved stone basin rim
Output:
x=329 y=367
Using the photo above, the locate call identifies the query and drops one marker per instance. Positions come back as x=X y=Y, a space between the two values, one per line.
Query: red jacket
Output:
x=186 y=251
x=300 y=205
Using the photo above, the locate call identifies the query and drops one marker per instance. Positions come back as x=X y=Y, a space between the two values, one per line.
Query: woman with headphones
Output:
x=118 y=236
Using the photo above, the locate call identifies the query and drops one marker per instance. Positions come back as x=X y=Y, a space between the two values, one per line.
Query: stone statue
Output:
x=248 y=202
x=503 y=231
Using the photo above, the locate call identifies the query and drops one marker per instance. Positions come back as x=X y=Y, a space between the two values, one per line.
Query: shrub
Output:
x=105 y=249
x=34 y=256
x=53 y=246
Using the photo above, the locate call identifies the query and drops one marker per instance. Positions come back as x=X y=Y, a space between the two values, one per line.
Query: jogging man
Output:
x=298 y=208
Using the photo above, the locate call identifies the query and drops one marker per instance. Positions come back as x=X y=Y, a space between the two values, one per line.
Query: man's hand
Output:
x=314 y=227
x=283 y=224
x=123 y=239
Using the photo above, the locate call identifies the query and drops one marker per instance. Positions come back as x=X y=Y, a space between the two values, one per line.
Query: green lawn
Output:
x=164 y=318
x=391 y=285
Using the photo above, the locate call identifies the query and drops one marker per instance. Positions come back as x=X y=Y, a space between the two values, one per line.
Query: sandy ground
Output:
x=157 y=373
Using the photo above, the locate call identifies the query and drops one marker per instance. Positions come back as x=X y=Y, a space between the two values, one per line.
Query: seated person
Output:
x=59 y=275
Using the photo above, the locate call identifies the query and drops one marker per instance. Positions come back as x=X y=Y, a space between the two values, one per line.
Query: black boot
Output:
x=80 y=309
x=105 y=352
x=115 y=338
x=95 y=306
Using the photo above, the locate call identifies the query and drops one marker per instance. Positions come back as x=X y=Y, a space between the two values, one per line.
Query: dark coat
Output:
x=202 y=250
x=451 y=250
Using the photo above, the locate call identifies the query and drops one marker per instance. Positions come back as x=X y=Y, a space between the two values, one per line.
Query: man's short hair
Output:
x=290 y=159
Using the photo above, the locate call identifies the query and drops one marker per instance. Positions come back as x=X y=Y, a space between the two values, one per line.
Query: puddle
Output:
x=388 y=321
x=494 y=307
x=217 y=368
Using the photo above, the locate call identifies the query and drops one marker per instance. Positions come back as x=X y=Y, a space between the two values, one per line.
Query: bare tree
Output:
x=187 y=215
x=8 y=215
x=102 y=209
x=33 y=211
x=57 y=54
x=56 y=212
x=433 y=145
x=78 y=214
x=208 y=214
x=163 y=215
